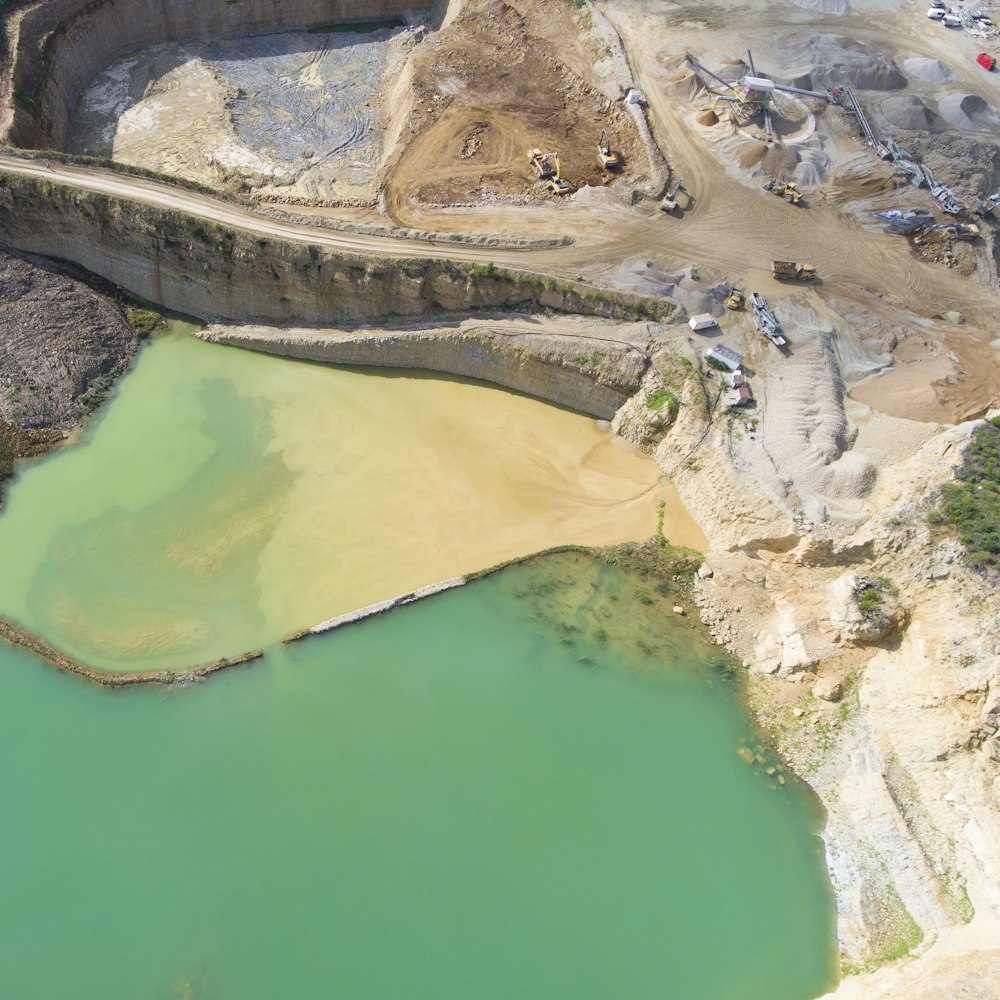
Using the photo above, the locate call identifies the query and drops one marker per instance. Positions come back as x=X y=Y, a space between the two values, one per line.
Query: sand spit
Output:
x=17 y=636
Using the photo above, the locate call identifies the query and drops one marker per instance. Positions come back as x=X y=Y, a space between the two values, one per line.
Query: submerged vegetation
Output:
x=970 y=506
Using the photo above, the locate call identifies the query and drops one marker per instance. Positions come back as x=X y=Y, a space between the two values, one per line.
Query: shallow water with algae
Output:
x=529 y=787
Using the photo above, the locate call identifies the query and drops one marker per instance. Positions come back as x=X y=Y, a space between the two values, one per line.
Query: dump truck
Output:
x=546 y=165
x=606 y=156
x=789 y=270
x=788 y=190
x=735 y=299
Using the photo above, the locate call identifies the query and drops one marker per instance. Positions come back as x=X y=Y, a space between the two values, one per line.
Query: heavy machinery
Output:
x=557 y=185
x=766 y=321
x=754 y=95
x=608 y=158
x=986 y=206
x=735 y=299
x=788 y=190
x=903 y=223
x=790 y=270
x=669 y=203
x=546 y=164
x=948 y=230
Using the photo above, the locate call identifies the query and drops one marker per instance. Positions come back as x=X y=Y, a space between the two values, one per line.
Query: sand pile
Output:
x=780 y=161
x=684 y=85
x=909 y=112
x=812 y=168
x=751 y=155
x=931 y=70
x=969 y=112
x=707 y=117
x=838 y=61
x=805 y=429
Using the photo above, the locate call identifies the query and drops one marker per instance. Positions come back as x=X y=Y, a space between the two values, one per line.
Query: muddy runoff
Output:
x=226 y=499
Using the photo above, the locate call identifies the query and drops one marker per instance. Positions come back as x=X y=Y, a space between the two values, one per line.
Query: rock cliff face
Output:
x=204 y=270
x=60 y=45
x=589 y=375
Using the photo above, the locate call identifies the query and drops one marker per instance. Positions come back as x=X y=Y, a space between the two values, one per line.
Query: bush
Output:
x=664 y=398
x=970 y=506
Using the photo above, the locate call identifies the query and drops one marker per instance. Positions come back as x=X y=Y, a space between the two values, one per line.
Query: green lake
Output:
x=526 y=787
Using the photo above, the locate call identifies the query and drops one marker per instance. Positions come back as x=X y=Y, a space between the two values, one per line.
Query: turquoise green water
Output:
x=526 y=788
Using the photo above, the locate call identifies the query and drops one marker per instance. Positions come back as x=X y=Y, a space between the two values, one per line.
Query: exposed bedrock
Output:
x=591 y=375
x=61 y=45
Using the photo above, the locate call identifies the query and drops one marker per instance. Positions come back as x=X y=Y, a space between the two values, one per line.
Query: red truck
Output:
x=986 y=61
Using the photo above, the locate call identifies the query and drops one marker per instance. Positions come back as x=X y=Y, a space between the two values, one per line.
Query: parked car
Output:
x=951 y=20
x=935 y=13
x=986 y=61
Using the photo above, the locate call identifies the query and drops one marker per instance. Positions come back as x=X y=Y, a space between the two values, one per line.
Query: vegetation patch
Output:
x=143 y=320
x=970 y=506
x=664 y=399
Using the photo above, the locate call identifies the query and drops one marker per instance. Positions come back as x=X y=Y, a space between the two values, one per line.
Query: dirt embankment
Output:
x=61 y=346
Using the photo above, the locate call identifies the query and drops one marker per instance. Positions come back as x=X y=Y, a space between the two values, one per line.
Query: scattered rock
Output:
x=678 y=610
x=828 y=689
x=705 y=572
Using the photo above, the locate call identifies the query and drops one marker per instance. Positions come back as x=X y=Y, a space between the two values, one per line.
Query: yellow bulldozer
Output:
x=788 y=190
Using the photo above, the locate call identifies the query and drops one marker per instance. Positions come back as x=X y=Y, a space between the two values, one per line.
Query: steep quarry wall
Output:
x=591 y=375
x=60 y=45
x=201 y=269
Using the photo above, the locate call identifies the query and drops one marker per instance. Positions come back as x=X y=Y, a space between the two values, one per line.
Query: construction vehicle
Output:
x=735 y=299
x=669 y=203
x=788 y=190
x=790 y=270
x=986 y=205
x=546 y=164
x=557 y=185
x=606 y=156
x=948 y=230
x=766 y=321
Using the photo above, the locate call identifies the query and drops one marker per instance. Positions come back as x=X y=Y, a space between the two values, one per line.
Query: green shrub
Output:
x=970 y=506
x=661 y=399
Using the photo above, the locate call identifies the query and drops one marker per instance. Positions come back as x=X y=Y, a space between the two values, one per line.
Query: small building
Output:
x=702 y=321
x=741 y=396
x=634 y=96
x=725 y=356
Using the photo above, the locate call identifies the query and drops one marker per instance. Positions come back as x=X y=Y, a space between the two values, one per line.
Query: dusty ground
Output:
x=501 y=78
x=296 y=115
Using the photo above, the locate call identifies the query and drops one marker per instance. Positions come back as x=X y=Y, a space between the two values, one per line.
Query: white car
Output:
x=935 y=13
x=951 y=21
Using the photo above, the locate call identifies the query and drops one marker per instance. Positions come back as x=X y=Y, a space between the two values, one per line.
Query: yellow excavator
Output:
x=608 y=158
x=546 y=165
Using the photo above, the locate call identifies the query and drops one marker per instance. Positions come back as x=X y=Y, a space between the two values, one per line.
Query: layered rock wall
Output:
x=198 y=268
x=537 y=365
x=61 y=45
